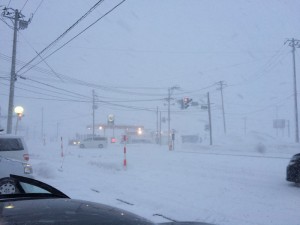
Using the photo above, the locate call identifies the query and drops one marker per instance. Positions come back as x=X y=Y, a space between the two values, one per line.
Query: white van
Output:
x=13 y=147
x=96 y=142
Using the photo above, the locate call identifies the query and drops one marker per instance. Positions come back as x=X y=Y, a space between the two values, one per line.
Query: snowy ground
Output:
x=223 y=184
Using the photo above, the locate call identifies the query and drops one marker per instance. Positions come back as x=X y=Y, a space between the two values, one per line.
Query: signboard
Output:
x=111 y=119
x=204 y=107
x=279 y=124
x=206 y=127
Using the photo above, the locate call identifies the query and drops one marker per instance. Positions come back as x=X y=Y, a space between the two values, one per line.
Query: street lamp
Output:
x=19 y=111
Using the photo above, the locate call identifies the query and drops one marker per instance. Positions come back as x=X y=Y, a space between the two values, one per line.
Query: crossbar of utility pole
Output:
x=295 y=44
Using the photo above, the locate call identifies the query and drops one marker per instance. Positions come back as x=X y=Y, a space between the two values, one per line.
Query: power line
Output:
x=271 y=63
x=43 y=89
x=48 y=85
x=263 y=108
x=111 y=10
x=11 y=27
x=92 y=85
x=112 y=101
x=37 y=8
x=24 y=5
x=63 y=34
x=52 y=70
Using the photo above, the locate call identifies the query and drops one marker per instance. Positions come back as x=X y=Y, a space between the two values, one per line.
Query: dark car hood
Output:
x=63 y=211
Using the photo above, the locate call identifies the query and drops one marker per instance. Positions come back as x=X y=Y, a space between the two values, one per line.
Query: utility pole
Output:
x=170 y=91
x=169 y=115
x=288 y=125
x=245 y=125
x=42 y=131
x=209 y=120
x=19 y=23
x=295 y=43
x=221 y=83
x=42 y=127
x=94 y=107
x=157 y=125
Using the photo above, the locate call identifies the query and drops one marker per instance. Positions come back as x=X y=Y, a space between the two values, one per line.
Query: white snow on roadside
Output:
x=228 y=183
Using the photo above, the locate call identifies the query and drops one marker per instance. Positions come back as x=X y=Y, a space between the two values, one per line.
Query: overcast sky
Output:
x=134 y=54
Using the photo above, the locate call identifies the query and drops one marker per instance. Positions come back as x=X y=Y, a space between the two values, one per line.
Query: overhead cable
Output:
x=73 y=37
x=63 y=34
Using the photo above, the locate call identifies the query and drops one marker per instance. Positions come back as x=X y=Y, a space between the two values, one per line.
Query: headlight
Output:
x=27 y=168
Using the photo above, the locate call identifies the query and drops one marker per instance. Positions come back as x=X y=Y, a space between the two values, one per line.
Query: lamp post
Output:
x=19 y=111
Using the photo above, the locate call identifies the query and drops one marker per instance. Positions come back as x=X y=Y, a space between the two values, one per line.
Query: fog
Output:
x=133 y=55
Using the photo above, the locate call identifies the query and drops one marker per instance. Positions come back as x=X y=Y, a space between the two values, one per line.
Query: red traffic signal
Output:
x=186 y=102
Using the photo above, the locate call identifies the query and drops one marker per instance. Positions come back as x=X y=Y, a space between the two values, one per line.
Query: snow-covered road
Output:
x=219 y=184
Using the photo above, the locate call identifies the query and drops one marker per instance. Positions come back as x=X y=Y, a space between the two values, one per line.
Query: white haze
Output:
x=145 y=47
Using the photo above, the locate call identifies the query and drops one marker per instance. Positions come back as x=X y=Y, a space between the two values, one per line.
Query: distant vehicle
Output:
x=13 y=147
x=96 y=142
x=12 y=166
x=74 y=142
x=28 y=201
x=293 y=169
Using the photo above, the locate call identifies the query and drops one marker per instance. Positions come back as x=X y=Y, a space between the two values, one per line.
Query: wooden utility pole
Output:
x=170 y=91
x=221 y=83
x=209 y=120
x=295 y=43
x=19 y=23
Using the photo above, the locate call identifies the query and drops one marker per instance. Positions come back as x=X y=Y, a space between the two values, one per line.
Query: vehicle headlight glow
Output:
x=9 y=206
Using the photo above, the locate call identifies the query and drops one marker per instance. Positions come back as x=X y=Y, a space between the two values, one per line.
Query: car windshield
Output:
x=175 y=110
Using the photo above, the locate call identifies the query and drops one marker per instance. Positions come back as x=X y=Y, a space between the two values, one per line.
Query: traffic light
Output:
x=185 y=102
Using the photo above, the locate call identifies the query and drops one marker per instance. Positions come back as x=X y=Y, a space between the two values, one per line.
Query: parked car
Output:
x=293 y=169
x=11 y=166
x=13 y=147
x=96 y=142
x=28 y=201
